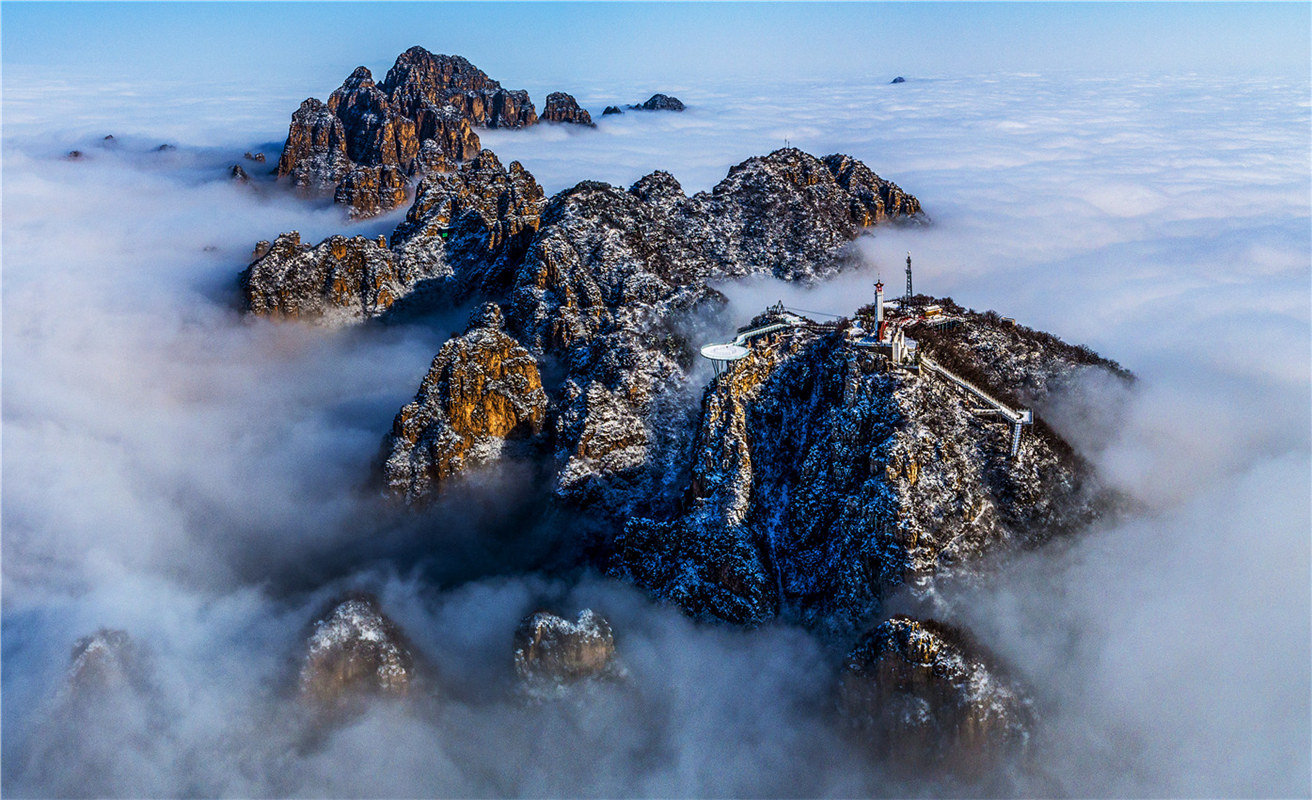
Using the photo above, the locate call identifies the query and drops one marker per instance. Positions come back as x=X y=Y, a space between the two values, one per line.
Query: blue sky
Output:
x=316 y=44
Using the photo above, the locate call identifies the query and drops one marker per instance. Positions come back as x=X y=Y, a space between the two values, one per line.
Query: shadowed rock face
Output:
x=355 y=651
x=924 y=696
x=551 y=651
x=365 y=143
x=482 y=388
x=561 y=107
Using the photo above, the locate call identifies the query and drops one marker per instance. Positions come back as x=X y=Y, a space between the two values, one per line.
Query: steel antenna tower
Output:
x=910 y=293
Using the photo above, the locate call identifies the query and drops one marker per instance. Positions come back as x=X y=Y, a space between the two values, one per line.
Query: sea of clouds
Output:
x=203 y=480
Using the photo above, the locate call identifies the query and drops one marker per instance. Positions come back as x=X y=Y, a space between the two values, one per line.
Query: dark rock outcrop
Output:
x=898 y=79
x=612 y=110
x=165 y=148
x=366 y=141
x=481 y=389
x=237 y=173
x=74 y=155
x=551 y=652
x=925 y=697
x=561 y=107
x=659 y=102
x=256 y=157
x=355 y=651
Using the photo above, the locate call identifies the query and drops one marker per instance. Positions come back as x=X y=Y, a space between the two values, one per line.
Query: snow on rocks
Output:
x=925 y=697
x=551 y=652
x=482 y=388
x=354 y=650
x=339 y=279
x=820 y=479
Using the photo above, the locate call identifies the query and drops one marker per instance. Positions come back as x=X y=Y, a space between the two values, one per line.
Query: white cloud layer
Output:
x=201 y=480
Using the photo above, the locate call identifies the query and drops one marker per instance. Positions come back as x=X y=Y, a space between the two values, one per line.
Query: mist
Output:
x=202 y=480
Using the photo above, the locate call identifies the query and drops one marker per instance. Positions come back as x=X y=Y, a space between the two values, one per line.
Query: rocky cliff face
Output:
x=354 y=651
x=926 y=698
x=872 y=199
x=598 y=278
x=552 y=652
x=596 y=246
x=482 y=388
x=471 y=224
x=314 y=157
x=365 y=143
x=561 y=107
x=343 y=278
x=821 y=479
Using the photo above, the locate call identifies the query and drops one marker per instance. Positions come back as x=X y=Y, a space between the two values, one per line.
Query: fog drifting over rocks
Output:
x=202 y=480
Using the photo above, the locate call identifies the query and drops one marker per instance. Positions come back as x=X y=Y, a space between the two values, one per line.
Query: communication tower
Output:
x=910 y=293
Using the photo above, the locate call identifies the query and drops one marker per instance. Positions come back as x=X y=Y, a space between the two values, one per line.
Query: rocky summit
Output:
x=365 y=145
x=561 y=107
x=552 y=652
x=822 y=476
x=354 y=650
x=659 y=102
x=482 y=389
x=926 y=698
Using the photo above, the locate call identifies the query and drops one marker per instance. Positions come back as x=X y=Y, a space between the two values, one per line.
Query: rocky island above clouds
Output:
x=369 y=140
x=816 y=476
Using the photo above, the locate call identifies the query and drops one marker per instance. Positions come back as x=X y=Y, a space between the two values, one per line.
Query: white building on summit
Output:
x=888 y=340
